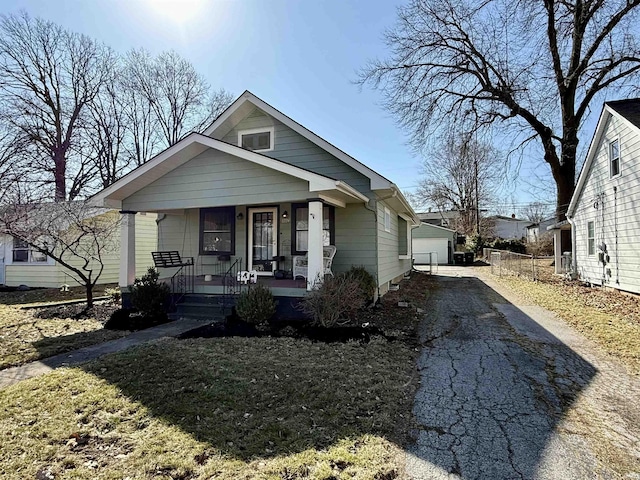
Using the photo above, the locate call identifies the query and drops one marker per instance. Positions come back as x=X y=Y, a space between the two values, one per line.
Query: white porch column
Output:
x=127 y=248
x=315 y=265
x=557 y=250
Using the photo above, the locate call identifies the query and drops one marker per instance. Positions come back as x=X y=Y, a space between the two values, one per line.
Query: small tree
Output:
x=74 y=234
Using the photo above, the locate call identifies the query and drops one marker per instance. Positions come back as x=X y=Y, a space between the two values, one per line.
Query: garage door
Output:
x=423 y=246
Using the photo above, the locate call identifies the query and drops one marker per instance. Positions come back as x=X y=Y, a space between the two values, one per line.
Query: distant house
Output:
x=508 y=228
x=604 y=212
x=259 y=192
x=535 y=231
x=433 y=244
x=22 y=265
x=447 y=219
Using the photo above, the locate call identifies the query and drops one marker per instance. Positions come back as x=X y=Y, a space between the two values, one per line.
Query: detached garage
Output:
x=431 y=243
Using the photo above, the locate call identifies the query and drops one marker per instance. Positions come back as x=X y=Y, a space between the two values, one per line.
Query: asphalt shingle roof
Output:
x=629 y=109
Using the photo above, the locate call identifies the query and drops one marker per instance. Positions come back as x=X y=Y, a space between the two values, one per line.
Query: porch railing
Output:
x=231 y=286
x=182 y=282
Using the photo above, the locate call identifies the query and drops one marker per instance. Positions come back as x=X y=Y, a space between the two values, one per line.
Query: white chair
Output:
x=300 y=263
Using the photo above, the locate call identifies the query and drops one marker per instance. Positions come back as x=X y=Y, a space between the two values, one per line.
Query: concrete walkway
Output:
x=76 y=357
x=510 y=391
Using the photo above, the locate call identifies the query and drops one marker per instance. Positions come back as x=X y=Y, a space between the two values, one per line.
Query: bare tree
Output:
x=535 y=212
x=48 y=77
x=74 y=234
x=535 y=66
x=179 y=97
x=460 y=175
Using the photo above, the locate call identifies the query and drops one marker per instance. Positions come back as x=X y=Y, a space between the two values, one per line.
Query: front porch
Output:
x=214 y=285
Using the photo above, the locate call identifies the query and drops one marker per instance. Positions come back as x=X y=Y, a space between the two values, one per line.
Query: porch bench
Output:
x=170 y=259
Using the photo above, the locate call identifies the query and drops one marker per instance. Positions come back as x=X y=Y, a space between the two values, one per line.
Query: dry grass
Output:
x=24 y=337
x=608 y=317
x=228 y=408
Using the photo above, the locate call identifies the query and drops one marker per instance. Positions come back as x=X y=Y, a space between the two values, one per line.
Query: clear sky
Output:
x=300 y=56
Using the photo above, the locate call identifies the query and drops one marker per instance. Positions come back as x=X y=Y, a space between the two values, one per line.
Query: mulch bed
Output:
x=101 y=311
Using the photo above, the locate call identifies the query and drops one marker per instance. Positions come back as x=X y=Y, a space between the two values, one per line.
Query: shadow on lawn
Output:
x=494 y=386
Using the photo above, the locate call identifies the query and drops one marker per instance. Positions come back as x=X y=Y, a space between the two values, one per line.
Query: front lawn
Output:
x=28 y=335
x=223 y=408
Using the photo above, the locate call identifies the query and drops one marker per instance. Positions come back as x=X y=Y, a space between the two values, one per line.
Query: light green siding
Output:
x=355 y=238
x=217 y=179
x=294 y=149
x=47 y=276
x=390 y=267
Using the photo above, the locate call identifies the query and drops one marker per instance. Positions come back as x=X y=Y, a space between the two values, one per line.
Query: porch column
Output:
x=127 y=248
x=315 y=265
x=557 y=250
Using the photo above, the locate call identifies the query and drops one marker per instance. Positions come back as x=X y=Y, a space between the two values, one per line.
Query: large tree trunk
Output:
x=60 y=171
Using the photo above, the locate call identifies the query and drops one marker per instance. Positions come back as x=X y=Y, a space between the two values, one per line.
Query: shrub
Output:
x=543 y=246
x=515 y=246
x=366 y=281
x=338 y=298
x=256 y=305
x=149 y=296
x=114 y=294
x=475 y=243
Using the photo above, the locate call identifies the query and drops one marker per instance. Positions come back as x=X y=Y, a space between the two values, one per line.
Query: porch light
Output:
x=240 y=216
x=285 y=214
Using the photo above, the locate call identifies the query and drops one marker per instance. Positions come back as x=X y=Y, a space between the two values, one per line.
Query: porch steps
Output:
x=201 y=307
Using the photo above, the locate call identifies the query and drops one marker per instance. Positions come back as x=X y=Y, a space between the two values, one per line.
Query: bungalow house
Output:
x=604 y=212
x=22 y=265
x=257 y=191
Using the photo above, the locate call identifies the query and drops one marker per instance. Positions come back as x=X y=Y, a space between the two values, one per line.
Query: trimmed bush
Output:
x=366 y=281
x=515 y=246
x=150 y=297
x=338 y=298
x=256 y=305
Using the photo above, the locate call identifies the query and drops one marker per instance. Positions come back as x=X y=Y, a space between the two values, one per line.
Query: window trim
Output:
x=387 y=220
x=591 y=241
x=30 y=250
x=611 y=159
x=332 y=226
x=232 y=212
x=251 y=131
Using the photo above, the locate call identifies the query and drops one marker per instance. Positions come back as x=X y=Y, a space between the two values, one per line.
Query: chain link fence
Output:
x=504 y=262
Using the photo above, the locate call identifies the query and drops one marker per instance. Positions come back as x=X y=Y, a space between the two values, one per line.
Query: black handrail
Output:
x=182 y=282
x=231 y=286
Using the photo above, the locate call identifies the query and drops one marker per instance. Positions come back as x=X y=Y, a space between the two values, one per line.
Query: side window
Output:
x=23 y=253
x=403 y=237
x=591 y=238
x=387 y=219
x=614 y=158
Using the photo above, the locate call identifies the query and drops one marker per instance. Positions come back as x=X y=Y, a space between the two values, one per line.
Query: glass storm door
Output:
x=263 y=239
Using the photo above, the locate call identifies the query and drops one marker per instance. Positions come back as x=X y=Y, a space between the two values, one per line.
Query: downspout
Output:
x=160 y=218
x=374 y=210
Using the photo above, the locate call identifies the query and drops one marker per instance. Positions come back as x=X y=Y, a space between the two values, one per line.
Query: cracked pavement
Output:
x=508 y=391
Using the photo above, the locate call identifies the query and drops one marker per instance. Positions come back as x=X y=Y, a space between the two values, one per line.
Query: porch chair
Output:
x=300 y=263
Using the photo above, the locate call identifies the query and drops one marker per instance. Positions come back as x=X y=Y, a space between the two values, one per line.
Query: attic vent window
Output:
x=614 y=158
x=257 y=140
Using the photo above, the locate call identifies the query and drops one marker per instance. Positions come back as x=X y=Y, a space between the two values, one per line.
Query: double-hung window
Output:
x=217 y=231
x=614 y=158
x=24 y=253
x=387 y=219
x=300 y=229
x=591 y=238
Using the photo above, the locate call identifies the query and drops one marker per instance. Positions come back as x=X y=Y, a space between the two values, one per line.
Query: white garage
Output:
x=432 y=244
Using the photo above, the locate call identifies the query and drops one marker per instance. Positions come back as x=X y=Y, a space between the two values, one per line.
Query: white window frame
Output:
x=591 y=241
x=611 y=159
x=387 y=220
x=251 y=131
x=409 y=253
x=47 y=261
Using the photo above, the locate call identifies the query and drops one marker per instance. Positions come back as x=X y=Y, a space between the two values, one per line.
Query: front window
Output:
x=300 y=230
x=260 y=140
x=614 y=158
x=217 y=231
x=591 y=238
x=23 y=253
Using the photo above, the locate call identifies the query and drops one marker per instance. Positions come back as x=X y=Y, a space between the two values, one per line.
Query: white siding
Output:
x=616 y=214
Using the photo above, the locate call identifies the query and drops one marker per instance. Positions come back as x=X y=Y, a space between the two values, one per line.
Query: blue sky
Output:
x=299 y=56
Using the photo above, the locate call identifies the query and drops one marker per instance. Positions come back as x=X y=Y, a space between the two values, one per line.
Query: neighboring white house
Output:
x=537 y=230
x=508 y=227
x=22 y=265
x=258 y=191
x=433 y=244
x=447 y=219
x=605 y=208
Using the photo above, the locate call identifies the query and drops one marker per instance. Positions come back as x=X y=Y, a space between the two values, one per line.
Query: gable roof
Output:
x=247 y=101
x=193 y=145
x=438 y=227
x=626 y=110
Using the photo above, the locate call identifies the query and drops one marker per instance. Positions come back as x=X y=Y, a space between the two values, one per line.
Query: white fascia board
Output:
x=377 y=180
x=349 y=190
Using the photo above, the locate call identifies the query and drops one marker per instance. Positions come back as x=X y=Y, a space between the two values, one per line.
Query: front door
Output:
x=263 y=239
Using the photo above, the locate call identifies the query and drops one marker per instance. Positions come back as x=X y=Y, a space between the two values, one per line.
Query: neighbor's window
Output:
x=257 y=140
x=387 y=220
x=23 y=253
x=300 y=229
x=217 y=231
x=591 y=238
x=614 y=158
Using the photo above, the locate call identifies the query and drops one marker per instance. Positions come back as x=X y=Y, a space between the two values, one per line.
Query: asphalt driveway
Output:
x=509 y=391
